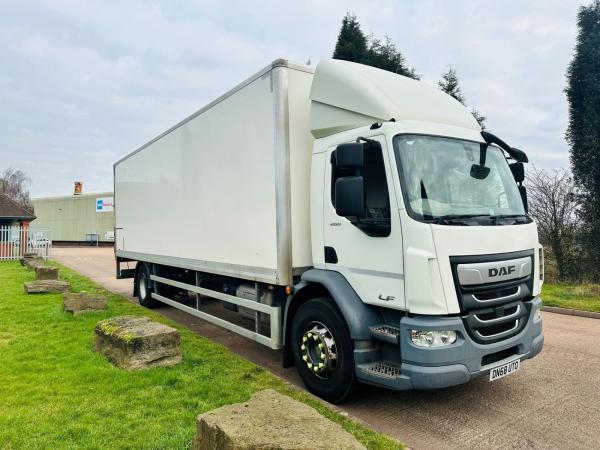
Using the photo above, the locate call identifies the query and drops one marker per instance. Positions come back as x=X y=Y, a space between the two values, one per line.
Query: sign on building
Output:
x=104 y=204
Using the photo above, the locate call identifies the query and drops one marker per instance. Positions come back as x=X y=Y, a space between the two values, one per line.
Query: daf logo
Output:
x=501 y=271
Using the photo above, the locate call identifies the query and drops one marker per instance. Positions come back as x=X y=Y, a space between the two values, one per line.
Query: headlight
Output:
x=428 y=338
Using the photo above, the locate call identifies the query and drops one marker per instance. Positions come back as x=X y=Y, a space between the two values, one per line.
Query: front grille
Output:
x=496 y=294
x=491 y=315
x=493 y=311
x=494 y=330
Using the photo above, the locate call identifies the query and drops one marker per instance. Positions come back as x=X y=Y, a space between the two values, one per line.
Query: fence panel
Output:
x=16 y=241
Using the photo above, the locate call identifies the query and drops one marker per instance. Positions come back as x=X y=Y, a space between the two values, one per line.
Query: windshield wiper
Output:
x=463 y=219
x=460 y=219
x=518 y=218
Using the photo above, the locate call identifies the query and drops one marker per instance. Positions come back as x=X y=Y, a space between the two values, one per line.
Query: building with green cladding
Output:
x=74 y=219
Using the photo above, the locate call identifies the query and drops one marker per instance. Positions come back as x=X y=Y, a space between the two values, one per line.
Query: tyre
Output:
x=323 y=350
x=144 y=287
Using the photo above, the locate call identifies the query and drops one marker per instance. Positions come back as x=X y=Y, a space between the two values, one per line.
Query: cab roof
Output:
x=346 y=95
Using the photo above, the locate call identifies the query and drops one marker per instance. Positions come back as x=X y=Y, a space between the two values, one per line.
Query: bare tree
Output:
x=14 y=183
x=553 y=204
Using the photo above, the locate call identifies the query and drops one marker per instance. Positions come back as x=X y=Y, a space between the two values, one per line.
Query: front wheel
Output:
x=323 y=350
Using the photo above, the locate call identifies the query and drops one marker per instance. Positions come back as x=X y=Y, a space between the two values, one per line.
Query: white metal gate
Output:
x=16 y=241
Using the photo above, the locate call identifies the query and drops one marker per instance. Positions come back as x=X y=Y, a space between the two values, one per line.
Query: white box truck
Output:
x=358 y=220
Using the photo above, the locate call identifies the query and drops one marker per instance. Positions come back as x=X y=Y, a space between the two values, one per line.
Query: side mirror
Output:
x=518 y=155
x=349 y=156
x=523 y=192
x=518 y=171
x=350 y=197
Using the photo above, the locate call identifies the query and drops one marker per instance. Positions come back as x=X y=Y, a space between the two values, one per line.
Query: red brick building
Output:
x=13 y=214
x=14 y=227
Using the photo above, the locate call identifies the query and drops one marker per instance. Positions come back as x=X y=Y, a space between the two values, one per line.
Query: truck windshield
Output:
x=440 y=184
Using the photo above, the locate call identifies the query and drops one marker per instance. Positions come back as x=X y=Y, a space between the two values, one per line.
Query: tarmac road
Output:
x=553 y=401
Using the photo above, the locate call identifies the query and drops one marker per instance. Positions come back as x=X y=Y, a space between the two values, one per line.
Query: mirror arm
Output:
x=517 y=154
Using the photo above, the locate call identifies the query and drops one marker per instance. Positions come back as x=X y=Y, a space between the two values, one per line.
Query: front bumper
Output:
x=434 y=368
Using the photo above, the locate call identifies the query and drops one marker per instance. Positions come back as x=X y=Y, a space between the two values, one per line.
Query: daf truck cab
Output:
x=403 y=254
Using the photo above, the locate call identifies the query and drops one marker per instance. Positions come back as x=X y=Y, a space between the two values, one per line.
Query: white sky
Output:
x=82 y=83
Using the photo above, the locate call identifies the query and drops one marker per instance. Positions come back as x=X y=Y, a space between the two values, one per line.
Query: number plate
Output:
x=505 y=369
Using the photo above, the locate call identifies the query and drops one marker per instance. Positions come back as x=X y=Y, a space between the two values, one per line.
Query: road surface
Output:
x=553 y=401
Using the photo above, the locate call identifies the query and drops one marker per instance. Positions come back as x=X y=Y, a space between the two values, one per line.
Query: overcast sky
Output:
x=83 y=83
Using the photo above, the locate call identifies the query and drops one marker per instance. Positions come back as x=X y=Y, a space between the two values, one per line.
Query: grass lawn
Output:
x=55 y=392
x=585 y=297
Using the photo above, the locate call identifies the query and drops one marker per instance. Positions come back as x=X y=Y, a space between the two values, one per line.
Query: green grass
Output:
x=55 y=392
x=585 y=297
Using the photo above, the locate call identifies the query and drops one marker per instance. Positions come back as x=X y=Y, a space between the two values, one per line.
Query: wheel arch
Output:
x=327 y=283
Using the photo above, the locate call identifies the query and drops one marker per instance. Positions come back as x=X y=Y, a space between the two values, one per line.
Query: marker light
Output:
x=537 y=314
x=430 y=338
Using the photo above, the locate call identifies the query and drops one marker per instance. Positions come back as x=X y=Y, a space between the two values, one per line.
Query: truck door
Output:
x=370 y=257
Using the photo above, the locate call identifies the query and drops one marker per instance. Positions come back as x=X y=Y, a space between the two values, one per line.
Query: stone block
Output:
x=45 y=286
x=33 y=263
x=83 y=302
x=270 y=421
x=46 y=273
x=136 y=342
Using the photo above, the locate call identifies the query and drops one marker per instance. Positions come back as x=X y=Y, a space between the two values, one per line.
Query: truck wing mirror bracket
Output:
x=515 y=153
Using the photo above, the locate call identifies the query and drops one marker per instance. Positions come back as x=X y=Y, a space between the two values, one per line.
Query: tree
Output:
x=583 y=95
x=451 y=86
x=15 y=185
x=386 y=56
x=478 y=117
x=352 y=43
x=553 y=204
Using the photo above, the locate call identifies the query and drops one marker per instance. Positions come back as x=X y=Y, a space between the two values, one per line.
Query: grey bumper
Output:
x=433 y=368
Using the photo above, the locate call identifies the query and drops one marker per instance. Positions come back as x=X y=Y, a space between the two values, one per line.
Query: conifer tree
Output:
x=583 y=95
x=352 y=43
x=449 y=84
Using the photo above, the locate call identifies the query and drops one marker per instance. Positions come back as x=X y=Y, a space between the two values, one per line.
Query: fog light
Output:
x=429 y=338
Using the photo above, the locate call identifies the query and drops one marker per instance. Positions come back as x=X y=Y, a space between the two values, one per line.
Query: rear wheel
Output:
x=323 y=350
x=144 y=287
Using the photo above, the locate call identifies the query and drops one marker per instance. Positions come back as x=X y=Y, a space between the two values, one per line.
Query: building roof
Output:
x=9 y=209
x=72 y=197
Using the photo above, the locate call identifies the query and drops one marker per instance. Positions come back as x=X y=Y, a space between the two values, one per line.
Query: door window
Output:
x=377 y=200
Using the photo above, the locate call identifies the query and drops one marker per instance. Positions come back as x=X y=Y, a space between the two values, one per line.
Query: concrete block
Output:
x=45 y=286
x=270 y=421
x=83 y=302
x=135 y=342
x=33 y=263
x=46 y=273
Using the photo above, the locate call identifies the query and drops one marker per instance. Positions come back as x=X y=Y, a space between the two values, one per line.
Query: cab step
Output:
x=386 y=333
x=381 y=369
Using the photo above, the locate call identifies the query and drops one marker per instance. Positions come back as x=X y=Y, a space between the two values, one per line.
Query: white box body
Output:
x=226 y=191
